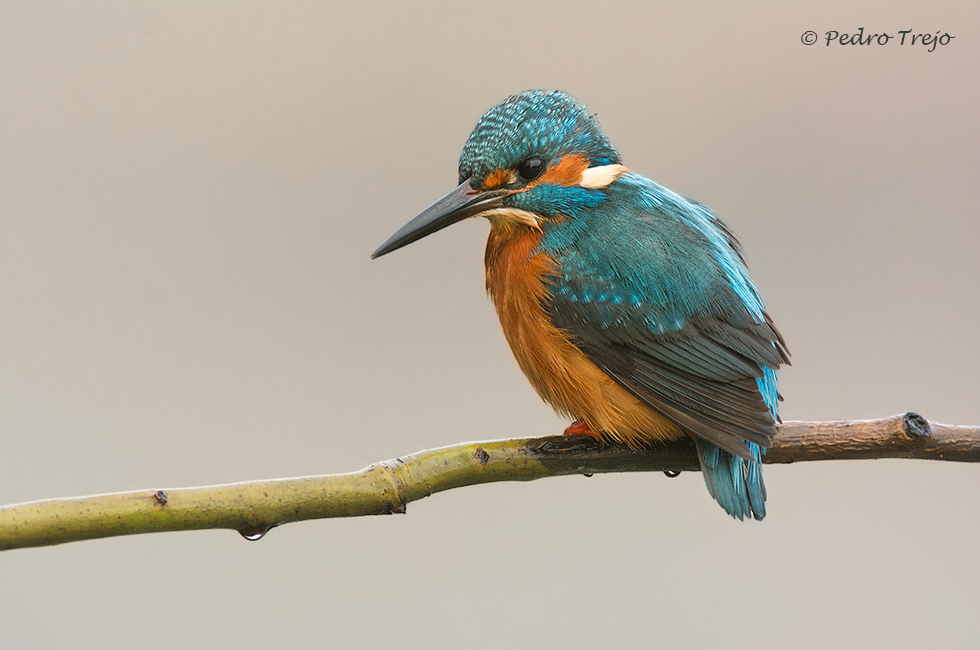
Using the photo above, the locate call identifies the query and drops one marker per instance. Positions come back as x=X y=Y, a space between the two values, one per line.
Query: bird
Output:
x=629 y=308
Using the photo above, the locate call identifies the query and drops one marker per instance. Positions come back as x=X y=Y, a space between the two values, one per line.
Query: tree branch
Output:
x=252 y=508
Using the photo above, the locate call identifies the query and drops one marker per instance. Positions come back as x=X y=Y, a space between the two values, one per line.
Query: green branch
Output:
x=252 y=508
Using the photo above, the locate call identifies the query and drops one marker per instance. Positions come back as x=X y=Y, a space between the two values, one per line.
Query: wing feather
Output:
x=670 y=314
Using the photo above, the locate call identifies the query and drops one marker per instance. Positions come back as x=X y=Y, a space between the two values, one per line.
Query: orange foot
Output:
x=580 y=428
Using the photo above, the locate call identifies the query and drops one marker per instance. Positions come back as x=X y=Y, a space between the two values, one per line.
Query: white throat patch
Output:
x=512 y=216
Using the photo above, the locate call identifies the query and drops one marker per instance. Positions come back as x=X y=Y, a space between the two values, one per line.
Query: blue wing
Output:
x=655 y=292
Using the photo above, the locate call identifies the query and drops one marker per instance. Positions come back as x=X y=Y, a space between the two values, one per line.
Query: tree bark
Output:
x=252 y=508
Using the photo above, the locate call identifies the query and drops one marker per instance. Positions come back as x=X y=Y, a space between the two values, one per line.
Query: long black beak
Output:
x=459 y=204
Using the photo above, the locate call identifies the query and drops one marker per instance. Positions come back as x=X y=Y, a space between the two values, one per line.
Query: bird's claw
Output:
x=580 y=428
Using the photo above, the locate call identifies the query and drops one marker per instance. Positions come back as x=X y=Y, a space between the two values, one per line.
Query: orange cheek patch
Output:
x=498 y=178
x=567 y=171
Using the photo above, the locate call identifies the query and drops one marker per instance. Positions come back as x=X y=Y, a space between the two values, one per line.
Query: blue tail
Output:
x=734 y=482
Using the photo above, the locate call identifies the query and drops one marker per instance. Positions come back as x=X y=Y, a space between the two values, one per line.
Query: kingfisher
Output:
x=629 y=307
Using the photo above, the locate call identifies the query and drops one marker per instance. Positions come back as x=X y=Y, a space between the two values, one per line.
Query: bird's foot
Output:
x=580 y=428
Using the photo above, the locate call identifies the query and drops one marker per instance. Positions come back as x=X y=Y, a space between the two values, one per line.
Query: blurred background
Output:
x=189 y=194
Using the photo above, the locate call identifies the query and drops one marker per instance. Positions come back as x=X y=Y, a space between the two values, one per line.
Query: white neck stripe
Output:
x=595 y=178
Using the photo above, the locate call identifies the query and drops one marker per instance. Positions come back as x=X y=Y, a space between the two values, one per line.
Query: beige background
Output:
x=189 y=193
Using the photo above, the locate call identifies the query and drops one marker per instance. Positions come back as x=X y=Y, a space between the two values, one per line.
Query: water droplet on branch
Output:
x=254 y=534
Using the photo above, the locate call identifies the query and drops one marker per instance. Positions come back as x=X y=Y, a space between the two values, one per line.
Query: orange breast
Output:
x=561 y=374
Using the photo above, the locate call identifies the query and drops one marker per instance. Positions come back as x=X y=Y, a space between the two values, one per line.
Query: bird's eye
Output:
x=530 y=169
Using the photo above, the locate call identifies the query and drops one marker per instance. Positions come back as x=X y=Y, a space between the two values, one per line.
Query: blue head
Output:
x=532 y=156
x=534 y=125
